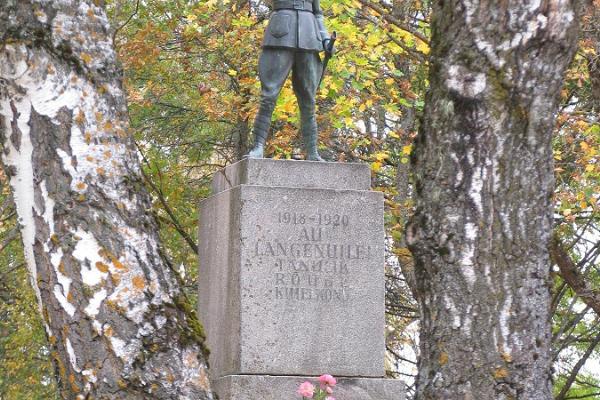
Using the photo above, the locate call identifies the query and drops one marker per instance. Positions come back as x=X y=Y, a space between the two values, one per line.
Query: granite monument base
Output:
x=291 y=280
x=263 y=387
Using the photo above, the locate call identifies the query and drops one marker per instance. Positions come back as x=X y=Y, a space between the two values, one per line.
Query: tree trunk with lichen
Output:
x=114 y=314
x=484 y=182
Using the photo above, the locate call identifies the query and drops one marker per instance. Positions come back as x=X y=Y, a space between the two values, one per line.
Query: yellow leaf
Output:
x=382 y=155
x=232 y=72
x=336 y=8
x=589 y=168
x=422 y=47
x=584 y=146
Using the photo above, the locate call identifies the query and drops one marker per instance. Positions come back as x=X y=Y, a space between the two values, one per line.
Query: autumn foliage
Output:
x=191 y=79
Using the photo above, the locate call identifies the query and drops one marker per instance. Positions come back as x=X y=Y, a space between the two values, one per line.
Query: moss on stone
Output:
x=194 y=330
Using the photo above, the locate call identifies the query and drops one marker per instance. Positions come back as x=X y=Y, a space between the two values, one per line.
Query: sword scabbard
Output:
x=327 y=56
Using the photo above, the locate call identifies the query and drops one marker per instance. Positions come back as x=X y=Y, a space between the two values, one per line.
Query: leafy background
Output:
x=191 y=77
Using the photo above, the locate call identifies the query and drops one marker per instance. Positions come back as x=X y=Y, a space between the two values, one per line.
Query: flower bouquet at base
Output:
x=324 y=392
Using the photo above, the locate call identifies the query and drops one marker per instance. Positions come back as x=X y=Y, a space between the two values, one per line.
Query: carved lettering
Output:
x=279 y=279
x=308 y=264
x=325 y=295
x=295 y=279
x=336 y=251
x=311 y=234
x=293 y=218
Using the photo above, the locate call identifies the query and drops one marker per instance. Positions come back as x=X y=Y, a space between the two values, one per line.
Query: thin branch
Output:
x=586 y=383
x=557 y=297
x=8 y=203
x=12 y=235
x=399 y=357
x=174 y=221
x=575 y=371
x=570 y=323
x=10 y=271
x=137 y=8
x=583 y=396
x=580 y=234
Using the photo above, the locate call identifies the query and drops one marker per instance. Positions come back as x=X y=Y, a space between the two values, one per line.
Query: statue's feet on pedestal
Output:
x=257 y=152
x=314 y=157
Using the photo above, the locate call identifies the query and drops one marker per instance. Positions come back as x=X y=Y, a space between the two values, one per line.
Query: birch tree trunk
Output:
x=114 y=314
x=484 y=183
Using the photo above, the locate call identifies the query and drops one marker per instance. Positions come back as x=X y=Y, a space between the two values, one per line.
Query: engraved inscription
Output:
x=311 y=263
x=319 y=219
x=338 y=251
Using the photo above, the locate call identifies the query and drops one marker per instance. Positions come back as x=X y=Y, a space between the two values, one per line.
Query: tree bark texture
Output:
x=484 y=182
x=113 y=311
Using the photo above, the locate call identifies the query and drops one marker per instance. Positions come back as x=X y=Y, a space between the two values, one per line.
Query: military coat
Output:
x=296 y=24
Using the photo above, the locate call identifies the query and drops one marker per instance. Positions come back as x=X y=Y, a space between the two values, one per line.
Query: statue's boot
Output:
x=310 y=137
x=260 y=131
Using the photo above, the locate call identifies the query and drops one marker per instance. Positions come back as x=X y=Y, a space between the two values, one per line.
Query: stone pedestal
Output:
x=259 y=387
x=291 y=281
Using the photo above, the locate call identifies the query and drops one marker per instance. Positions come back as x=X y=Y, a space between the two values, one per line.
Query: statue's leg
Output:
x=274 y=66
x=305 y=79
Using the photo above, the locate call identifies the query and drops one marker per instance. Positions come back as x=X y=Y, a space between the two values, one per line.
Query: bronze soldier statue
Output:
x=293 y=39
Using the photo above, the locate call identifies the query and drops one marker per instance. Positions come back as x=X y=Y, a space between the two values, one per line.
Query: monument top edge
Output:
x=294 y=174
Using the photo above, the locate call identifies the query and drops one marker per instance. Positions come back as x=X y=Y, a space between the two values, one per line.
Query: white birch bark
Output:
x=113 y=312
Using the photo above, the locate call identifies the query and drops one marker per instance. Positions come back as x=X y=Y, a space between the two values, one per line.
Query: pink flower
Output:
x=329 y=390
x=306 y=389
x=327 y=380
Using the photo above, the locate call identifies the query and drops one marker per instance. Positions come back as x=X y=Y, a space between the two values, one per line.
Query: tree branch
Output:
x=114 y=37
x=583 y=396
x=574 y=278
x=12 y=235
x=394 y=21
x=174 y=221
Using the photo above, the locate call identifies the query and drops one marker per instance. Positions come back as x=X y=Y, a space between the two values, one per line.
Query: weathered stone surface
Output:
x=291 y=279
x=219 y=298
x=249 y=387
x=289 y=173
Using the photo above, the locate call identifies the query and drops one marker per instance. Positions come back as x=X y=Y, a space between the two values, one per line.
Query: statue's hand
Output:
x=328 y=47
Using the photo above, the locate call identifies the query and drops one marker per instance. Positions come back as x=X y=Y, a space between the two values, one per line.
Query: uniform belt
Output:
x=301 y=5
